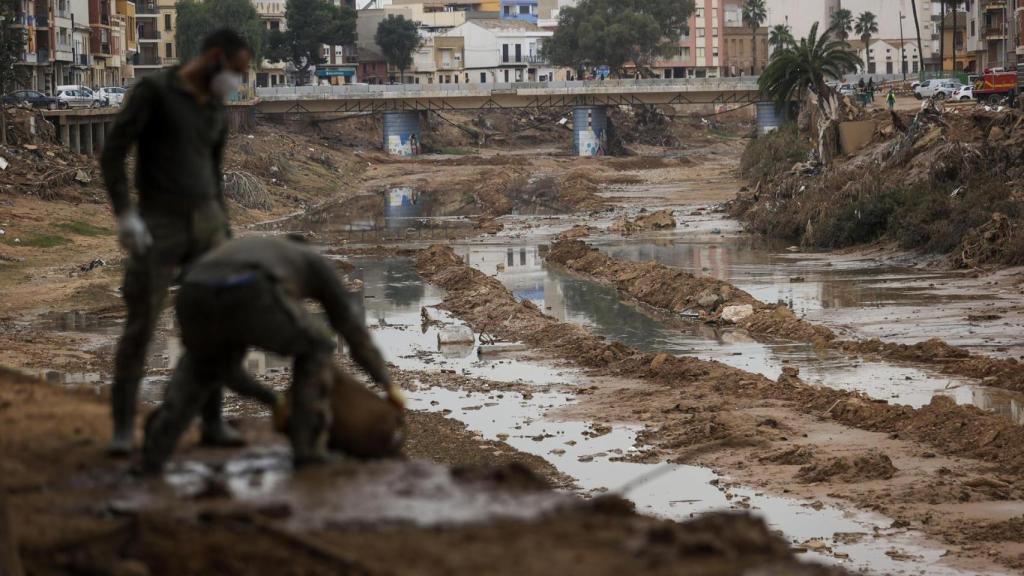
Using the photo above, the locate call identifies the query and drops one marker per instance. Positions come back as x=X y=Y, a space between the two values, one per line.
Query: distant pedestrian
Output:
x=890 y=100
x=871 y=88
x=861 y=86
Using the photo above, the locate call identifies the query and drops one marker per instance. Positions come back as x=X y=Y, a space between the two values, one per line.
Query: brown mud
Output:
x=696 y=411
x=75 y=511
x=679 y=292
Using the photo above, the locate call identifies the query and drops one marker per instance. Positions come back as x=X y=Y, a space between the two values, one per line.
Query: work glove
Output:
x=133 y=234
x=395 y=396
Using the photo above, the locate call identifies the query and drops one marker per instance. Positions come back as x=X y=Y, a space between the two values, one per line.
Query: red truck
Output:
x=995 y=85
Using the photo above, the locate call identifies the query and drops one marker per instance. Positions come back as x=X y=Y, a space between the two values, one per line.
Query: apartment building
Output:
x=525 y=10
x=548 y=11
x=501 y=51
x=272 y=16
x=800 y=15
x=699 y=51
x=992 y=32
x=738 y=41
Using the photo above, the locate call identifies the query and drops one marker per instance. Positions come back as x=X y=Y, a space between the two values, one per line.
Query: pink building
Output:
x=698 y=54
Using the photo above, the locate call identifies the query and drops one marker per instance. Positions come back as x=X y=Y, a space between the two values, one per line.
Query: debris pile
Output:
x=942 y=180
x=34 y=164
x=646 y=221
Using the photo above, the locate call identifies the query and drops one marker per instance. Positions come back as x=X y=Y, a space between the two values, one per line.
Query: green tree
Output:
x=780 y=36
x=616 y=33
x=197 y=19
x=13 y=40
x=398 y=39
x=842 y=24
x=808 y=65
x=754 y=14
x=866 y=27
x=311 y=25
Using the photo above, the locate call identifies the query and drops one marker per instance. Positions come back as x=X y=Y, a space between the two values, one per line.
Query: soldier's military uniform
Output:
x=249 y=292
x=180 y=145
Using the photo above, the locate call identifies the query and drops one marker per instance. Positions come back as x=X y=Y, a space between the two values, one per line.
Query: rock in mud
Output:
x=661 y=220
x=869 y=466
x=734 y=314
x=461 y=334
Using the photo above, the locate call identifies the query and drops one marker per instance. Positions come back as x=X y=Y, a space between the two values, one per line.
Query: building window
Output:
x=483 y=77
x=167 y=21
x=169 y=50
x=700 y=54
x=700 y=12
x=700 y=32
x=714 y=32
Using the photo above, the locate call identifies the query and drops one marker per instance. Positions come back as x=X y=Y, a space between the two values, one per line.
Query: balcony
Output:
x=994 y=6
x=43 y=56
x=83 y=60
x=994 y=33
x=146 y=60
x=536 y=59
x=146 y=9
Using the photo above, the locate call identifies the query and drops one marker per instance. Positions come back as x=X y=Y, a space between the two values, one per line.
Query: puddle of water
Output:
x=393 y=298
x=566 y=297
x=675 y=491
x=378 y=492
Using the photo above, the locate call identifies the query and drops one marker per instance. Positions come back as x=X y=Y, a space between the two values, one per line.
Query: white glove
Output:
x=133 y=234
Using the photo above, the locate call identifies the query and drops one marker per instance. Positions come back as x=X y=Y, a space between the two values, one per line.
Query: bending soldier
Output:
x=246 y=293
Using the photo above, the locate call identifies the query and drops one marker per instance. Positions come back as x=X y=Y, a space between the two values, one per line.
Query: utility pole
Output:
x=903 y=49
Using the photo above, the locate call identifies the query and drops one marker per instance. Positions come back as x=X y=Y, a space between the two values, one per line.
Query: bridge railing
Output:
x=363 y=91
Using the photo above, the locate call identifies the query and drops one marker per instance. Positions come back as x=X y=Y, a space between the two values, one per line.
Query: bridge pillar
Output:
x=402 y=133
x=74 y=140
x=589 y=130
x=87 y=147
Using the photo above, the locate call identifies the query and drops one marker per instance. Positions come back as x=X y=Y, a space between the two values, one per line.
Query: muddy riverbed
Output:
x=595 y=433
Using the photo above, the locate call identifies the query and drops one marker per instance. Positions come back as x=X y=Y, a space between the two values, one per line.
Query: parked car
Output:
x=78 y=99
x=940 y=89
x=847 y=90
x=111 y=95
x=964 y=93
x=34 y=98
x=83 y=97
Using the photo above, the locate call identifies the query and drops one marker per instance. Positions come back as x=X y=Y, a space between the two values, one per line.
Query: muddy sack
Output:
x=362 y=423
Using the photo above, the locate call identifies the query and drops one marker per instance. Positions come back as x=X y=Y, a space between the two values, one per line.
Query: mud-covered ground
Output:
x=842 y=477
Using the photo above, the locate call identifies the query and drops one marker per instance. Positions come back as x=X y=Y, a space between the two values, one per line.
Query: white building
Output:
x=800 y=15
x=502 y=51
x=884 y=56
x=887 y=13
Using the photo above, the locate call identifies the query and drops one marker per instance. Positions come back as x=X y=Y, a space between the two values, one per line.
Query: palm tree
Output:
x=866 y=27
x=917 y=26
x=842 y=23
x=808 y=65
x=780 y=36
x=754 y=14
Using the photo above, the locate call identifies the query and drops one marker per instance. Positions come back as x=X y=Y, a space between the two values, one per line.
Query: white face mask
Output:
x=225 y=83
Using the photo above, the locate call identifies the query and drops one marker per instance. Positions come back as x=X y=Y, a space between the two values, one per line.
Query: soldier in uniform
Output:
x=176 y=121
x=249 y=292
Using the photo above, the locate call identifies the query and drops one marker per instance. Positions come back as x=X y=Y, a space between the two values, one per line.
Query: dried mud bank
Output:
x=76 y=512
x=488 y=306
x=680 y=292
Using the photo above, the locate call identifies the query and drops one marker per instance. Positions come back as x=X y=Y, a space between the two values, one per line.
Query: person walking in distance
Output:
x=175 y=119
x=890 y=100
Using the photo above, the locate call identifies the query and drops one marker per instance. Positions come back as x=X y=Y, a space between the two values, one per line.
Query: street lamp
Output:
x=903 y=49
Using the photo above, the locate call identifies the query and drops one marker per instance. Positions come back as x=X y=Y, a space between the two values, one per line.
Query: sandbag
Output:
x=362 y=423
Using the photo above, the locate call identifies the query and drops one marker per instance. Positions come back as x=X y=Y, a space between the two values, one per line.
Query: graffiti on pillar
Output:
x=403 y=145
x=592 y=143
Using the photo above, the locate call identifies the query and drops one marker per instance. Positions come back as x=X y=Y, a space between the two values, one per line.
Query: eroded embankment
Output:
x=677 y=292
x=487 y=305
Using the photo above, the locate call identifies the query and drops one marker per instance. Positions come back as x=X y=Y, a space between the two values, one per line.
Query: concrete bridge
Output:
x=402 y=104
x=84 y=130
